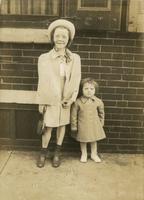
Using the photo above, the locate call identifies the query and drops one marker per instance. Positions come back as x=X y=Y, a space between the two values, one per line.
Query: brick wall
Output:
x=115 y=60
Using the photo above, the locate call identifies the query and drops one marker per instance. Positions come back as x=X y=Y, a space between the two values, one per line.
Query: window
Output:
x=97 y=5
x=28 y=13
x=29 y=7
x=86 y=14
x=96 y=14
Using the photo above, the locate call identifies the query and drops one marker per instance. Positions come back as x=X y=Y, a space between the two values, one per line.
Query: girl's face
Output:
x=61 y=38
x=88 y=90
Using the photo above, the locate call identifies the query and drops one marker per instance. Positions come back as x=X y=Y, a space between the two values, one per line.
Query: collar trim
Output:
x=67 y=55
x=85 y=99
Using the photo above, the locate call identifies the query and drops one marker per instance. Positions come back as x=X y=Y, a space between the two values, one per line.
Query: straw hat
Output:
x=61 y=22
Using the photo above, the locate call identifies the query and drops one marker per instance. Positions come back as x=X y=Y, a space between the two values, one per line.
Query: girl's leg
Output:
x=45 y=141
x=60 y=136
x=94 y=155
x=46 y=137
x=83 y=146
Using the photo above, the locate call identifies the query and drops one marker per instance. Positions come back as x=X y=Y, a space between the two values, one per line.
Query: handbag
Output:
x=40 y=125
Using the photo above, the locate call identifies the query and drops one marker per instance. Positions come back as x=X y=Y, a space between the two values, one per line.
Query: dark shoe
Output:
x=56 y=159
x=41 y=159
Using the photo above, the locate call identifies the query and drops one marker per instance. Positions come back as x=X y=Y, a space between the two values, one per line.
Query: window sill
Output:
x=22 y=35
x=18 y=96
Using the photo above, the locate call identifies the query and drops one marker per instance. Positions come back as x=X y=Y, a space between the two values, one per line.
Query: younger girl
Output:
x=87 y=119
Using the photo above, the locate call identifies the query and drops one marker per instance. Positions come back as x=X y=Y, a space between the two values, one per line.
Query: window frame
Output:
x=80 y=8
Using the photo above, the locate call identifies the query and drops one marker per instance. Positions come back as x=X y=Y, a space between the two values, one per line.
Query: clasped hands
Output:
x=66 y=103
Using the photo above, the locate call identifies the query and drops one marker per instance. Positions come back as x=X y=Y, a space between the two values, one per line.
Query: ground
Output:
x=118 y=177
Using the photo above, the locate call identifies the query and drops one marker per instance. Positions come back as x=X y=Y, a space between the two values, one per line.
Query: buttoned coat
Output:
x=51 y=91
x=87 y=118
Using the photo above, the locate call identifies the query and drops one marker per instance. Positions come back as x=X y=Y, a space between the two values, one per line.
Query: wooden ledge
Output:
x=18 y=96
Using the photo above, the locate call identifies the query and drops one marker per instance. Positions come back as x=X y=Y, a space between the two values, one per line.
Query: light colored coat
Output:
x=53 y=88
x=49 y=90
x=87 y=118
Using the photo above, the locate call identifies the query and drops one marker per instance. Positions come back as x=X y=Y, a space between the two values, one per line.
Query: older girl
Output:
x=59 y=73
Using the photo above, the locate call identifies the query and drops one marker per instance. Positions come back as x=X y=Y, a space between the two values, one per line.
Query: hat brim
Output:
x=64 y=23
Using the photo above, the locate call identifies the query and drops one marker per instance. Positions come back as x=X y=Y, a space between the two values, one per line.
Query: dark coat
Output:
x=87 y=117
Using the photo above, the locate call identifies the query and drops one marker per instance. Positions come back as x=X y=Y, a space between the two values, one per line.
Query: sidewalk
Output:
x=118 y=177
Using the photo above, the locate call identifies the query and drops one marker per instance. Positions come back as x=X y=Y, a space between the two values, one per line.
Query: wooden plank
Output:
x=18 y=96
x=23 y=35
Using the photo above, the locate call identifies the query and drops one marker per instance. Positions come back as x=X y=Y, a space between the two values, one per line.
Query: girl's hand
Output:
x=66 y=104
x=42 y=109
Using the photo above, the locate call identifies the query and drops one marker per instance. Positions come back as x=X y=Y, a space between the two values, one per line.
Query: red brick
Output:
x=85 y=69
x=134 y=64
x=16 y=73
x=136 y=84
x=134 y=97
x=136 y=104
x=112 y=96
x=83 y=54
x=117 y=83
x=5 y=59
x=111 y=76
x=100 y=55
x=122 y=70
x=118 y=141
x=89 y=48
x=121 y=116
x=111 y=63
x=124 y=42
x=22 y=60
x=81 y=40
x=132 y=111
x=133 y=50
x=33 y=53
x=131 y=77
x=99 y=41
x=111 y=49
x=123 y=56
x=90 y=62
x=125 y=90
x=127 y=147
x=122 y=103
x=99 y=69
x=139 y=71
x=140 y=43
x=10 y=52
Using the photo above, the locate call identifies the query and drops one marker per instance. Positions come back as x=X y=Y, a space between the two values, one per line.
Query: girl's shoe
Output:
x=56 y=159
x=95 y=158
x=42 y=158
x=83 y=158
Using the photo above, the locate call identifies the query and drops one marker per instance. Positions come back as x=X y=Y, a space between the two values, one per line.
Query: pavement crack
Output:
x=3 y=167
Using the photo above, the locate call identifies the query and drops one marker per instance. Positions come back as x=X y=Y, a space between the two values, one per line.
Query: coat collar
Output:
x=67 y=55
x=85 y=99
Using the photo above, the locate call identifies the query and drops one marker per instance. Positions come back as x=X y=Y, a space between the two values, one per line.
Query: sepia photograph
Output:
x=72 y=99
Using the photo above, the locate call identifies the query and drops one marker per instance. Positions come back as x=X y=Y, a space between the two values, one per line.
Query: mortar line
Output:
x=2 y=169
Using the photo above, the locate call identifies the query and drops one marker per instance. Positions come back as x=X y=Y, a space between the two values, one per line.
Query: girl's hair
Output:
x=52 y=35
x=90 y=81
x=87 y=80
